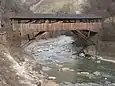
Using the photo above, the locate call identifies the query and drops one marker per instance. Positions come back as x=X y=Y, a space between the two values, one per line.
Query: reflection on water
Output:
x=58 y=59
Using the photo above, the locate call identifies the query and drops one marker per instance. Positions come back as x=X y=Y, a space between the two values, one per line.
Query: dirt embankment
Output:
x=19 y=69
x=15 y=72
x=8 y=76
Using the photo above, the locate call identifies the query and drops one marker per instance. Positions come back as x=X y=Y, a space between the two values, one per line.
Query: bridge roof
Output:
x=55 y=16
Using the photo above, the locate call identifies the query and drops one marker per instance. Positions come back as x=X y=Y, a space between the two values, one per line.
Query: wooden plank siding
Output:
x=29 y=28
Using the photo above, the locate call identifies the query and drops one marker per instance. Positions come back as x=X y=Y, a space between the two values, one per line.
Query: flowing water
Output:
x=58 y=58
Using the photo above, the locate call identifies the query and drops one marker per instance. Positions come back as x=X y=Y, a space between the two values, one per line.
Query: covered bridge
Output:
x=29 y=23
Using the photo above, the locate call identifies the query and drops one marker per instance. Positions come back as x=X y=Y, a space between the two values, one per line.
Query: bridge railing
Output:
x=29 y=28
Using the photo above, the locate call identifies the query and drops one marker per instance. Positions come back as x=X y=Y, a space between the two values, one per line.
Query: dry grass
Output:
x=8 y=76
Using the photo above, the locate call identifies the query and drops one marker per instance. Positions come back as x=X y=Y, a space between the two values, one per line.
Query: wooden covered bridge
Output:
x=29 y=23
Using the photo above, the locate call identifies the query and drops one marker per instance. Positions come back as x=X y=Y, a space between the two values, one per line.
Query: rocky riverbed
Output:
x=54 y=62
x=58 y=58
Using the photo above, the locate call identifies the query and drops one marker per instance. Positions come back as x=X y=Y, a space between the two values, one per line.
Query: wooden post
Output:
x=88 y=24
x=13 y=26
x=21 y=30
x=47 y=25
x=89 y=33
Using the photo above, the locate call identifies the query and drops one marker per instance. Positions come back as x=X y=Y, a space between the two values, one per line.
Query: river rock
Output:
x=73 y=57
x=57 y=61
x=46 y=68
x=39 y=51
x=62 y=49
x=72 y=70
x=51 y=78
x=98 y=61
x=100 y=57
x=105 y=78
x=93 y=57
x=46 y=49
x=97 y=73
x=87 y=74
x=65 y=69
x=59 y=65
x=67 y=50
x=33 y=52
x=67 y=83
x=51 y=47
x=50 y=83
x=83 y=73
x=36 y=54
x=90 y=50
x=82 y=54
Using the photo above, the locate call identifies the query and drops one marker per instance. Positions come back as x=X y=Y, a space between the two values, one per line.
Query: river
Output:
x=58 y=58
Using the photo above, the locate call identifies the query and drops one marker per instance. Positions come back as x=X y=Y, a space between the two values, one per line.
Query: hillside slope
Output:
x=49 y=6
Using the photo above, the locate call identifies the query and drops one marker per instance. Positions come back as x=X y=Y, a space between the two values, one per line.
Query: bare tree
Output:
x=9 y=7
x=101 y=7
